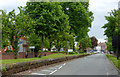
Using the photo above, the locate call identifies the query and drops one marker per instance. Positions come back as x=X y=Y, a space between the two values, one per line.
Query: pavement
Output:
x=97 y=64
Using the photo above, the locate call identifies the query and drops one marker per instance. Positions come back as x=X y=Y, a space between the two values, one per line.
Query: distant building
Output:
x=102 y=46
x=89 y=49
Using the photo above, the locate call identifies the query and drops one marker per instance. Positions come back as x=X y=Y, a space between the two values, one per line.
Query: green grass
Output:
x=57 y=55
x=114 y=60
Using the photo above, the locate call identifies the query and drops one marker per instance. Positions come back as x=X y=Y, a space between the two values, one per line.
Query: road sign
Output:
x=32 y=47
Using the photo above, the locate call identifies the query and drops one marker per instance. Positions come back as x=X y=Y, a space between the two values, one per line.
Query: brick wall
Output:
x=10 y=55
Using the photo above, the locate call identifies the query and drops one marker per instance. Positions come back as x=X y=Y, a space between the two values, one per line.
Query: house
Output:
x=22 y=43
x=103 y=46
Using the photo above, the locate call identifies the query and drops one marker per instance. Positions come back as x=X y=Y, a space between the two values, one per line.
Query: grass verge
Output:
x=114 y=60
x=57 y=55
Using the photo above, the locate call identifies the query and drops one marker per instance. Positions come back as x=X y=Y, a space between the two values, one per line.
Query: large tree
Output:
x=80 y=18
x=49 y=18
x=112 y=29
x=15 y=26
x=85 y=42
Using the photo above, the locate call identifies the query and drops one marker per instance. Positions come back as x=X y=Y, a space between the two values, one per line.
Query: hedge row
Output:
x=19 y=67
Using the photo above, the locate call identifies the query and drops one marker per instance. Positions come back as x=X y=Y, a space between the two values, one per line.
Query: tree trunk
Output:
x=50 y=46
x=58 y=45
x=73 y=47
x=42 y=47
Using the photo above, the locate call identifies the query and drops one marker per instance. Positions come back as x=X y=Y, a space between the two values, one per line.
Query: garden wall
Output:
x=10 y=55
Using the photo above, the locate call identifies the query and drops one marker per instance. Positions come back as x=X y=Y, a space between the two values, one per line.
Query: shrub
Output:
x=9 y=51
x=72 y=52
x=29 y=51
x=63 y=51
x=81 y=51
x=3 y=68
x=46 y=51
x=54 y=51
x=39 y=56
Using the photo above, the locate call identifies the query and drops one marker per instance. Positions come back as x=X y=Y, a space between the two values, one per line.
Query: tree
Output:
x=94 y=41
x=86 y=42
x=49 y=18
x=109 y=44
x=16 y=26
x=80 y=18
x=35 y=40
x=0 y=31
x=112 y=28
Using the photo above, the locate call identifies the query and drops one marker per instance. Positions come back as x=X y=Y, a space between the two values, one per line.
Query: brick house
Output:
x=103 y=46
x=22 y=43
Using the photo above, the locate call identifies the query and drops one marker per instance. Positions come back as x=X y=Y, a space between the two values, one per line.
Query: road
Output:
x=97 y=64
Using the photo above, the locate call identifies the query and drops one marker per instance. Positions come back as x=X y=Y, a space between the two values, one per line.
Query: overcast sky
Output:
x=100 y=8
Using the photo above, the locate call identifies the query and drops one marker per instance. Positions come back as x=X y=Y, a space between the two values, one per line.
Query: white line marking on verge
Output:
x=53 y=72
x=37 y=74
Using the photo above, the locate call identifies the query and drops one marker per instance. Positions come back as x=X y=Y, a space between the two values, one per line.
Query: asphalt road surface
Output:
x=97 y=64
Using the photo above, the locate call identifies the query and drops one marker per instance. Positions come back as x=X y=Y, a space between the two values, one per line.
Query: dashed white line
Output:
x=53 y=72
x=64 y=64
x=107 y=73
x=37 y=74
x=60 y=67
x=54 y=68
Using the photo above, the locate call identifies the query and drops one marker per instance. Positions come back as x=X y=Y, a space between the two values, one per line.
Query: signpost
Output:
x=32 y=47
x=70 y=50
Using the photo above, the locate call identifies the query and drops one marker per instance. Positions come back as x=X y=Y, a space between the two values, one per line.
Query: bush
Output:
x=29 y=51
x=39 y=56
x=72 y=52
x=9 y=51
x=46 y=51
x=81 y=51
x=54 y=51
x=3 y=68
x=63 y=51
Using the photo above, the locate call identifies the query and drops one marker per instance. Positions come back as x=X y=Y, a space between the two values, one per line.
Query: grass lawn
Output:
x=114 y=60
x=57 y=55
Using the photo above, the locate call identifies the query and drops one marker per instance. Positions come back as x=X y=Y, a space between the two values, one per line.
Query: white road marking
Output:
x=64 y=64
x=53 y=72
x=60 y=67
x=37 y=74
x=107 y=73
x=47 y=70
